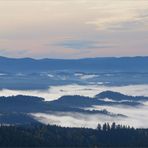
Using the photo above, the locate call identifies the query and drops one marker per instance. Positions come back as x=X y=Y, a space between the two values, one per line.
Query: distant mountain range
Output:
x=106 y=64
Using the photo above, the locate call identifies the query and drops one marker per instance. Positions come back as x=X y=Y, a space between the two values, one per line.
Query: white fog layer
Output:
x=136 y=116
x=54 y=92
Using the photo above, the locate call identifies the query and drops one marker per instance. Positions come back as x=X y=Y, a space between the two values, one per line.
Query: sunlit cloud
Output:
x=119 y=14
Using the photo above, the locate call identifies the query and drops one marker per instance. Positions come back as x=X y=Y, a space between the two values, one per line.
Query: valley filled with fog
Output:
x=55 y=92
x=53 y=85
x=136 y=116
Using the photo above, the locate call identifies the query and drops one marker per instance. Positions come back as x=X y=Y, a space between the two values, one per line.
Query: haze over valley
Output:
x=45 y=78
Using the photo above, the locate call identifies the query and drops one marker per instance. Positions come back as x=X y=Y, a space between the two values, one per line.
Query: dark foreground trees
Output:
x=53 y=136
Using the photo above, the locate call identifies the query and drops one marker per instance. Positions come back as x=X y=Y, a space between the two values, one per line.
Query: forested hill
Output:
x=53 y=136
x=116 y=96
x=108 y=64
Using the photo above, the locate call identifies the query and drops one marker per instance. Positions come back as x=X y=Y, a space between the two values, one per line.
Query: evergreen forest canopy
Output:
x=54 y=136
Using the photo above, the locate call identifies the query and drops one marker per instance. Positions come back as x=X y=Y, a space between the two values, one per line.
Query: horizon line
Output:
x=48 y=58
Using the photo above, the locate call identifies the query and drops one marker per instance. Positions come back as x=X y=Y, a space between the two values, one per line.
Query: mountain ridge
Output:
x=99 y=64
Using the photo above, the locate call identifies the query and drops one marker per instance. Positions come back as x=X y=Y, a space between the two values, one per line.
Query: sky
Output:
x=73 y=28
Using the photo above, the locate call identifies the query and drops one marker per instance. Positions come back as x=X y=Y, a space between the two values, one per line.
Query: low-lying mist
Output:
x=55 y=92
x=73 y=119
x=136 y=116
